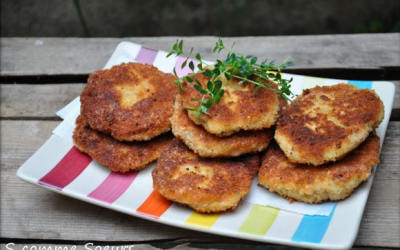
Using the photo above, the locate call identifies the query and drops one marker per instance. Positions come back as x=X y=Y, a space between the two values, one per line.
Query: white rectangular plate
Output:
x=59 y=166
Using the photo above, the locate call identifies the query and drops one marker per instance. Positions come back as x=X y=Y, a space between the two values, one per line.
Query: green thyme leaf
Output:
x=191 y=65
x=198 y=57
x=184 y=64
x=200 y=89
x=209 y=103
x=181 y=46
x=187 y=78
x=217 y=86
x=244 y=68
x=210 y=86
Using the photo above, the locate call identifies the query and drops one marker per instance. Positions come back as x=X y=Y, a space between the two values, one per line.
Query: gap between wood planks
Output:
x=31 y=118
x=162 y=243
x=381 y=74
x=81 y=242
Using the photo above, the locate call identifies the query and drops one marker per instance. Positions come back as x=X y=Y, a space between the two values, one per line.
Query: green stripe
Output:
x=259 y=220
x=311 y=82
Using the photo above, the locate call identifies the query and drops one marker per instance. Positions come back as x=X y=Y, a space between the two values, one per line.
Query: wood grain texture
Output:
x=36 y=100
x=40 y=101
x=74 y=56
x=36 y=213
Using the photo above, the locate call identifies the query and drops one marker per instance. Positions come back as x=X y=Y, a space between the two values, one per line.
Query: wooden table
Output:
x=41 y=75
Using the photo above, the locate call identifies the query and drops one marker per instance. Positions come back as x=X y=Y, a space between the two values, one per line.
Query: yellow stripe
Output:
x=259 y=221
x=311 y=82
x=202 y=220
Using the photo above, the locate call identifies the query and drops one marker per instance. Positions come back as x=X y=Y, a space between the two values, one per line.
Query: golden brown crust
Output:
x=204 y=184
x=116 y=155
x=131 y=101
x=241 y=107
x=326 y=123
x=310 y=184
x=209 y=145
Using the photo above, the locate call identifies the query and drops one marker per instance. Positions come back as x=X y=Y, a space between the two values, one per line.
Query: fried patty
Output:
x=326 y=123
x=204 y=184
x=241 y=107
x=310 y=184
x=131 y=101
x=210 y=145
x=116 y=155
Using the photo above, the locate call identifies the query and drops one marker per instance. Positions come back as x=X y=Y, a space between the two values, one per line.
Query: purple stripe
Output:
x=146 y=55
x=113 y=187
x=186 y=70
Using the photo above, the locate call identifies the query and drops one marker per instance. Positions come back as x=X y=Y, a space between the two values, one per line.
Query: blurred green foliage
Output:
x=376 y=26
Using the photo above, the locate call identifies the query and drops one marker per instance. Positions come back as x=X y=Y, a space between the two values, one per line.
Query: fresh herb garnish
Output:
x=243 y=68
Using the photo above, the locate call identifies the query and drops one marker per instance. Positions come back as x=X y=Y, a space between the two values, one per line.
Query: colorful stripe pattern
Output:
x=146 y=55
x=155 y=205
x=361 y=84
x=183 y=71
x=311 y=82
x=113 y=187
x=312 y=228
x=202 y=220
x=69 y=168
x=258 y=221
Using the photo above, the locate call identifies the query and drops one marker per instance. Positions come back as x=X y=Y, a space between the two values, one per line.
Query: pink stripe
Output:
x=186 y=70
x=113 y=187
x=146 y=55
x=70 y=167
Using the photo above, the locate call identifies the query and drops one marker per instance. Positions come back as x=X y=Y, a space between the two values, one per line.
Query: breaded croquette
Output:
x=116 y=155
x=241 y=108
x=326 y=123
x=311 y=184
x=204 y=184
x=131 y=101
x=210 y=145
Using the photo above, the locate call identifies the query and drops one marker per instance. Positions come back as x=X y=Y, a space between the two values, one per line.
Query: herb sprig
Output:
x=235 y=65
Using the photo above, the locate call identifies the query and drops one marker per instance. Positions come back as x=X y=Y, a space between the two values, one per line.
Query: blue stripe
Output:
x=312 y=228
x=361 y=84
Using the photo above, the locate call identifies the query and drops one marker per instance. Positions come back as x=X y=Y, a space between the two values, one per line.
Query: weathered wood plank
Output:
x=71 y=56
x=43 y=100
x=36 y=101
x=36 y=213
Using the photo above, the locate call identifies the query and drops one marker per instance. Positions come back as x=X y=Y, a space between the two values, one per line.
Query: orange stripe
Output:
x=155 y=205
